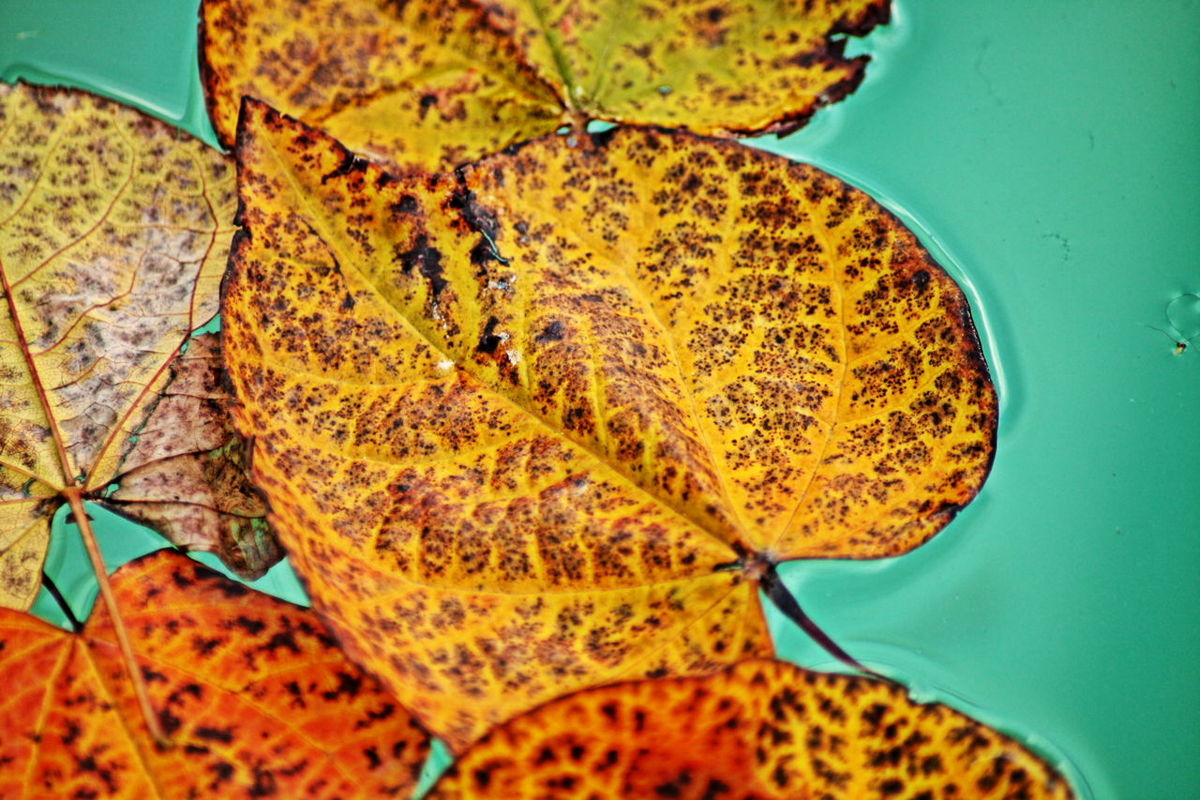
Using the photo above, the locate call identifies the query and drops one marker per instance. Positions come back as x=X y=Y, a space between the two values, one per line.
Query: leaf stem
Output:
x=35 y=376
x=786 y=602
x=573 y=89
x=74 y=496
x=579 y=122
x=52 y=587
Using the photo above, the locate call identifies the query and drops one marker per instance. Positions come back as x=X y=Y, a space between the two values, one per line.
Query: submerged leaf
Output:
x=547 y=422
x=763 y=729
x=255 y=694
x=186 y=475
x=114 y=230
x=434 y=83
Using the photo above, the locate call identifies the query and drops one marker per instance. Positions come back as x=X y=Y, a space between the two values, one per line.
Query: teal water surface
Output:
x=1047 y=152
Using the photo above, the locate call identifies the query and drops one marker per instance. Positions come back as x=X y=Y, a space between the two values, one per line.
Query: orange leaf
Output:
x=548 y=422
x=762 y=729
x=254 y=692
x=433 y=83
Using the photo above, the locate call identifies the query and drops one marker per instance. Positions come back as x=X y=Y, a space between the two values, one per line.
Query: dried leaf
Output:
x=763 y=729
x=114 y=230
x=431 y=83
x=547 y=423
x=186 y=475
x=257 y=697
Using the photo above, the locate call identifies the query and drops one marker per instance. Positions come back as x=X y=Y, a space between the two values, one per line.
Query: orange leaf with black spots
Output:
x=114 y=232
x=552 y=420
x=255 y=694
x=763 y=729
x=433 y=83
x=186 y=474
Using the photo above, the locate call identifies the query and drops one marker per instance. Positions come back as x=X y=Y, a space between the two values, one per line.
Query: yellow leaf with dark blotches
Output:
x=426 y=83
x=433 y=83
x=257 y=697
x=186 y=474
x=762 y=729
x=114 y=231
x=550 y=421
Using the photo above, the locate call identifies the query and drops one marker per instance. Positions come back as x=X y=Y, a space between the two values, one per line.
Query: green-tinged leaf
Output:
x=425 y=84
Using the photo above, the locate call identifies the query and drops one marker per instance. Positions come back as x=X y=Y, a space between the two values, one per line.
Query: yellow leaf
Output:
x=425 y=83
x=547 y=422
x=114 y=231
x=763 y=729
x=431 y=84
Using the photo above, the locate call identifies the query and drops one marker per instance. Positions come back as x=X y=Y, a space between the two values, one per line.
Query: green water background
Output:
x=1049 y=154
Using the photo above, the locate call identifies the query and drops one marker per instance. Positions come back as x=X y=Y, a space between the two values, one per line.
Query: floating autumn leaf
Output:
x=185 y=476
x=720 y=67
x=551 y=421
x=257 y=697
x=762 y=729
x=114 y=231
x=425 y=83
x=434 y=83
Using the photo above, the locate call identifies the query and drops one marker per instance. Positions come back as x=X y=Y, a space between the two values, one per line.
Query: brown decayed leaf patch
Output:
x=186 y=474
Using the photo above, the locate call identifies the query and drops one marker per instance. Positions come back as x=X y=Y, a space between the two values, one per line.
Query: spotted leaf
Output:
x=186 y=474
x=762 y=729
x=256 y=696
x=431 y=84
x=717 y=67
x=549 y=421
x=114 y=231
x=421 y=84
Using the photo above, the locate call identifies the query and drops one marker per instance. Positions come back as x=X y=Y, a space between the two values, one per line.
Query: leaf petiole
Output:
x=786 y=602
x=74 y=496
x=63 y=605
